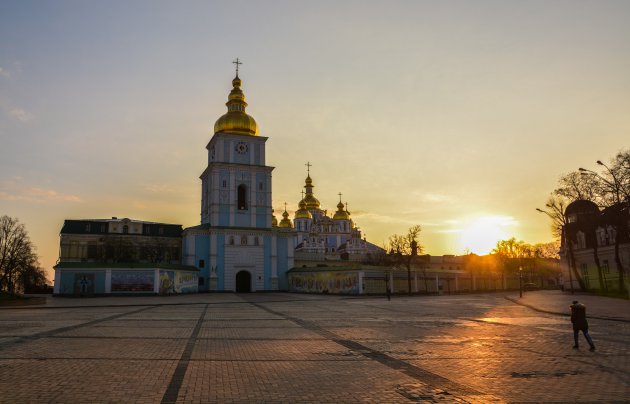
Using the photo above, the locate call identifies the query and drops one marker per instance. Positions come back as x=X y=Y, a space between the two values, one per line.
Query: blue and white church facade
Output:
x=237 y=247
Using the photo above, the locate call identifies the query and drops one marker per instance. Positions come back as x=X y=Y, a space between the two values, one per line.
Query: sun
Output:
x=482 y=233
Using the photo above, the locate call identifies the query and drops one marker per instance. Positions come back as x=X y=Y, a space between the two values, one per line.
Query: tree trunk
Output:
x=572 y=267
x=600 y=273
x=620 y=269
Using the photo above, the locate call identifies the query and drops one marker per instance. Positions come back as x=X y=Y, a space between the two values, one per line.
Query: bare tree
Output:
x=404 y=249
x=17 y=257
x=556 y=206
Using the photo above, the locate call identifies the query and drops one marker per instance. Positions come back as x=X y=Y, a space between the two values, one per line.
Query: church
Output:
x=236 y=247
x=239 y=245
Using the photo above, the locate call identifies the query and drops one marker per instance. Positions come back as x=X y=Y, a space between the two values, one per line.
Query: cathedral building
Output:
x=320 y=237
x=236 y=247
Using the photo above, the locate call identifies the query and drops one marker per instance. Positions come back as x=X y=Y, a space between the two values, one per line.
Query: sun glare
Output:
x=482 y=234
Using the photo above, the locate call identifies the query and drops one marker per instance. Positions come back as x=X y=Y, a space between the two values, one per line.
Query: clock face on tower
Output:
x=241 y=148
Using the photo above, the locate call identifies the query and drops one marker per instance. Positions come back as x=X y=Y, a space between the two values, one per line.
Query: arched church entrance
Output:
x=243 y=282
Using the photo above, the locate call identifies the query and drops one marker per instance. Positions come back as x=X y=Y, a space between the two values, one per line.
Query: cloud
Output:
x=13 y=192
x=159 y=188
x=21 y=115
x=4 y=72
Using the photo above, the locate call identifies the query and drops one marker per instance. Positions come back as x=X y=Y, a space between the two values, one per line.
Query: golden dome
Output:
x=310 y=200
x=341 y=214
x=285 y=223
x=236 y=121
x=274 y=221
x=303 y=213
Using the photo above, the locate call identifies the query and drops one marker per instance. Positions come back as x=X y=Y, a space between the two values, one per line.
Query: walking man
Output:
x=578 y=318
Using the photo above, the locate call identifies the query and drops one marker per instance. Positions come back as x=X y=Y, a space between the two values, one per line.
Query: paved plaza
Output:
x=288 y=348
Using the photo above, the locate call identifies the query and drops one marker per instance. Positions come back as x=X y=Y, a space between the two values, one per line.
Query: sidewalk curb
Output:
x=514 y=300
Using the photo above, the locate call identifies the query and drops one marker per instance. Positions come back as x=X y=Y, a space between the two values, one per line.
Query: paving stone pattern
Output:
x=287 y=348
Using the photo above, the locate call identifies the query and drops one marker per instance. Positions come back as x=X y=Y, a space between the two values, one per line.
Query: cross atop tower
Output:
x=285 y=206
x=302 y=194
x=339 y=196
x=308 y=168
x=237 y=62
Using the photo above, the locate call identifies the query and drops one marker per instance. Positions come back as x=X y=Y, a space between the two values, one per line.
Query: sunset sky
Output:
x=456 y=115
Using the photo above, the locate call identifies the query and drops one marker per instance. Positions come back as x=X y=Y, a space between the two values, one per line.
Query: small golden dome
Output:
x=236 y=121
x=274 y=221
x=311 y=202
x=341 y=214
x=285 y=223
x=303 y=213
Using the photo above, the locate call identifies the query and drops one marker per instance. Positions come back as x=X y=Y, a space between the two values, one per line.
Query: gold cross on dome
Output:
x=339 y=196
x=308 y=167
x=237 y=62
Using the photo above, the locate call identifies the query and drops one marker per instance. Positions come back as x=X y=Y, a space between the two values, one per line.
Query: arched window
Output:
x=243 y=240
x=242 y=197
x=612 y=235
x=125 y=229
x=581 y=240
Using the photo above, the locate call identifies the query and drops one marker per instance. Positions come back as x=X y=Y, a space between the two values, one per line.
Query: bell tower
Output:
x=236 y=185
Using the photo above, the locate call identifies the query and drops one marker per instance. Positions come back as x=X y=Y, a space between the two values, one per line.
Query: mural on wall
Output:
x=325 y=282
x=167 y=282
x=83 y=284
x=186 y=282
x=178 y=282
x=132 y=281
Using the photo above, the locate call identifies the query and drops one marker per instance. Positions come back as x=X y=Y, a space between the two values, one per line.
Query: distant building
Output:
x=105 y=256
x=591 y=235
x=320 y=237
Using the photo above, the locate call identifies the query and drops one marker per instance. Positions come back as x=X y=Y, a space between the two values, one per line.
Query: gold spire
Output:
x=309 y=199
x=285 y=223
x=236 y=121
x=341 y=214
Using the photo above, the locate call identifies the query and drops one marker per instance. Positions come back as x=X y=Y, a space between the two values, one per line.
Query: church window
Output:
x=612 y=234
x=601 y=236
x=584 y=270
x=581 y=240
x=231 y=241
x=201 y=281
x=242 y=197
x=256 y=242
x=605 y=267
x=87 y=227
x=260 y=186
x=125 y=229
x=224 y=184
x=243 y=240
x=202 y=263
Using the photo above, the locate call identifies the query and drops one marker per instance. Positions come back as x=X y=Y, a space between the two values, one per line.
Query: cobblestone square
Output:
x=287 y=348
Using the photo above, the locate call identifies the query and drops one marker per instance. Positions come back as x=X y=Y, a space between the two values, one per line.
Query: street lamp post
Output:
x=520 y=281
